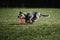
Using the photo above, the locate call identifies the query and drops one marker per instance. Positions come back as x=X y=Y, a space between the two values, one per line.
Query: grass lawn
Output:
x=43 y=29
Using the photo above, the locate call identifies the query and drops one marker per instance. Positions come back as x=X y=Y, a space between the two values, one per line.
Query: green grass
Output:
x=43 y=29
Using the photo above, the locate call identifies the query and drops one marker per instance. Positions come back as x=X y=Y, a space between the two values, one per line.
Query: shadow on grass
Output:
x=17 y=24
x=14 y=23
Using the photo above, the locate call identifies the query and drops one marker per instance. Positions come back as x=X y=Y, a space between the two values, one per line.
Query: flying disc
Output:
x=21 y=20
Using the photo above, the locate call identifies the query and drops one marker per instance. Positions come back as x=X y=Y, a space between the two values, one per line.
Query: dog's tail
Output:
x=44 y=15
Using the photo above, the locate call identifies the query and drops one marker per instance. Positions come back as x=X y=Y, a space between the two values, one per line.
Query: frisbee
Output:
x=21 y=20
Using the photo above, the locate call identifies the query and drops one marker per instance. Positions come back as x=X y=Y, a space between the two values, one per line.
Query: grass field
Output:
x=43 y=29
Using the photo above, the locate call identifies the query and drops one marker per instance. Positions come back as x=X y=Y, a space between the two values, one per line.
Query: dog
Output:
x=31 y=17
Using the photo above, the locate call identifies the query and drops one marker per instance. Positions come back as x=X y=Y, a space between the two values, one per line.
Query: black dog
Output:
x=30 y=17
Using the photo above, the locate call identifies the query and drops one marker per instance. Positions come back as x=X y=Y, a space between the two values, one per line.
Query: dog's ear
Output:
x=20 y=13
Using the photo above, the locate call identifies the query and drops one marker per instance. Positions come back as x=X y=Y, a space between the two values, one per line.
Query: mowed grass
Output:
x=43 y=29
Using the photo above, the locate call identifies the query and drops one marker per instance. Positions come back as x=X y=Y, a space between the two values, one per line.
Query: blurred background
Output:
x=30 y=3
